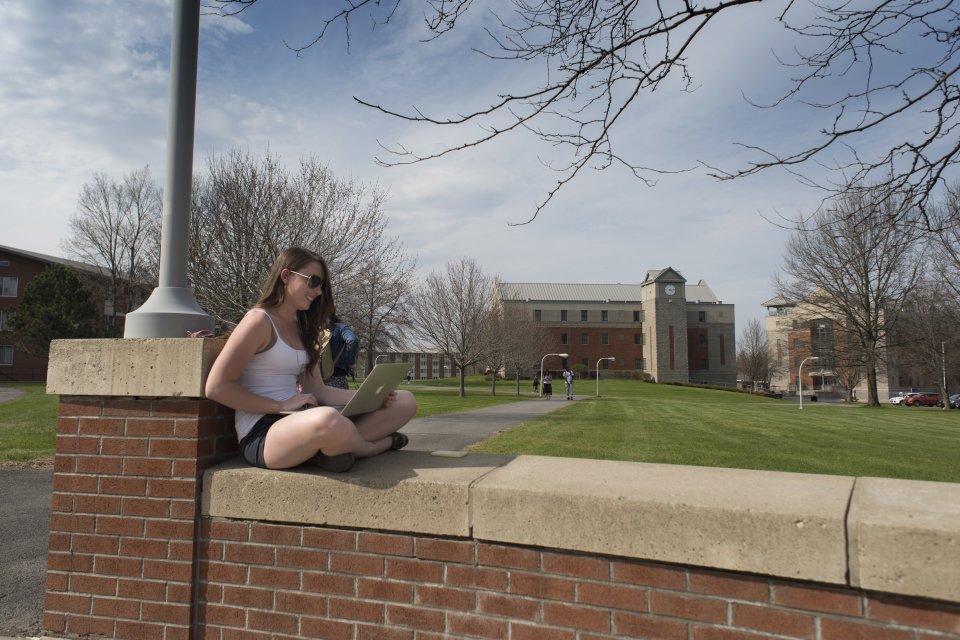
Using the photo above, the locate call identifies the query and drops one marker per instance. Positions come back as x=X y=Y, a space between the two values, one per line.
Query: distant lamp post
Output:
x=598 y=373
x=800 y=377
x=561 y=355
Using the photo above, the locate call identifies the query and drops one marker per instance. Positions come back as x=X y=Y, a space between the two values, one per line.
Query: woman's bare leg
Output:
x=384 y=422
x=298 y=437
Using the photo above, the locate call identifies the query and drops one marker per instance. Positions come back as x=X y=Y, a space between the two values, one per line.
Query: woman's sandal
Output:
x=334 y=464
x=398 y=440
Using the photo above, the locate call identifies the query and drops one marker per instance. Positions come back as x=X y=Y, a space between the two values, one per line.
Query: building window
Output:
x=636 y=316
x=4 y=319
x=537 y=315
x=703 y=339
x=563 y=315
x=723 y=356
x=638 y=338
x=605 y=364
x=638 y=363
x=604 y=316
x=585 y=362
x=583 y=315
x=563 y=338
x=604 y=338
x=703 y=364
x=8 y=287
x=584 y=338
x=701 y=316
x=6 y=355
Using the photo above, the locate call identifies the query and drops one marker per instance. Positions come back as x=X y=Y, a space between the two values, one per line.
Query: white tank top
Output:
x=272 y=373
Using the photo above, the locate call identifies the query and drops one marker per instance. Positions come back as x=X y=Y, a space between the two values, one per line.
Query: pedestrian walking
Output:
x=568 y=379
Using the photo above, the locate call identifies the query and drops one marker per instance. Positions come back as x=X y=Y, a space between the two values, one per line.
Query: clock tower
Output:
x=665 y=325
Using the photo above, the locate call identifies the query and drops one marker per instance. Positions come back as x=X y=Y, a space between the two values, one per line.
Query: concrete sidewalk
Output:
x=25 y=518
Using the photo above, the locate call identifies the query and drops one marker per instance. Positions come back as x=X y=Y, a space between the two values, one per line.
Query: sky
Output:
x=84 y=88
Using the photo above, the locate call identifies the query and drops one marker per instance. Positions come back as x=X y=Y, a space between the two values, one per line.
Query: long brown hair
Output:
x=312 y=321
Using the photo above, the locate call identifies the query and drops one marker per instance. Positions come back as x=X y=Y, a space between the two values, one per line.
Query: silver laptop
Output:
x=378 y=385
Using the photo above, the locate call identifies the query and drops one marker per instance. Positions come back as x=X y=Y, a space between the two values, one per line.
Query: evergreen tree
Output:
x=55 y=305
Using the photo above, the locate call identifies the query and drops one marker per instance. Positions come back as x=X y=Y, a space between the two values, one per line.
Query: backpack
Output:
x=328 y=360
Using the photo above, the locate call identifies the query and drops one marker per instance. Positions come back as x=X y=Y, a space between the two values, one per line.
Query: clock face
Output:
x=669 y=289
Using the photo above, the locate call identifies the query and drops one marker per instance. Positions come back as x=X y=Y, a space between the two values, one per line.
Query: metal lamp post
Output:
x=800 y=376
x=377 y=359
x=598 y=372
x=562 y=355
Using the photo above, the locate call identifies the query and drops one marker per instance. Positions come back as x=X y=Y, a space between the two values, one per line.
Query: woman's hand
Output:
x=389 y=399
x=298 y=401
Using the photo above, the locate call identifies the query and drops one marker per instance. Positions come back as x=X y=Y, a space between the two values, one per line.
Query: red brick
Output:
x=141 y=589
x=67 y=426
x=100 y=426
x=116 y=608
x=477 y=577
x=77 y=406
x=833 y=629
x=190 y=428
x=508 y=606
x=412 y=569
x=274 y=578
x=57 y=581
x=636 y=625
x=248 y=597
x=97 y=585
x=222 y=615
x=273 y=622
x=542 y=586
x=224 y=530
x=302 y=558
x=59 y=541
x=66 y=464
x=172 y=488
x=762 y=618
x=141 y=630
x=385 y=544
x=476 y=626
x=613 y=596
x=99 y=465
x=357 y=610
x=71 y=522
x=110 y=525
x=69 y=483
x=123 y=486
x=445 y=597
x=83 y=625
x=688 y=607
x=66 y=603
x=183 y=509
x=520 y=631
x=75 y=562
x=445 y=550
x=729 y=586
x=326 y=629
x=179 y=592
x=648 y=575
x=165 y=612
x=105 y=545
x=126 y=407
x=62 y=503
x=378 y=632
x=180 y=550
x=157 y=468
x=356 y=564
x=578 y=617
x=150 y=427
x=724 y=633
x=329 y=583
x=574 y=565
x=329 y=539
x=415 y=617
x=106 y=565
x=147 y=507
x=223 y=572
x=386 y=590
x=178 y=408
x=169 y=529
x=207 y=592
x=275 y=533
x=78 y=444
x=823 y=599
x=173 y=447
x=248 y=553
x=167 y=570
x=510 y=557
x=187 y=468
x=301 y=603
x=54 y=622
x=907 y=611
x=124 y=446
x=97 y=504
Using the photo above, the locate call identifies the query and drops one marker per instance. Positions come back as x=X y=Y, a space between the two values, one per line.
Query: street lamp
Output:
x=377 y=359
x=800 y=376
x=598 y=372
x=562 y=355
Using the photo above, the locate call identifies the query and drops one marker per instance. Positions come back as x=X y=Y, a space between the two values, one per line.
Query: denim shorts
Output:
x=251 y=447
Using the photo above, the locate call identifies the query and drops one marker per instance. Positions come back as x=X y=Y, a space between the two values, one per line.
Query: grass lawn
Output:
x=681 y=425
x=650 y=423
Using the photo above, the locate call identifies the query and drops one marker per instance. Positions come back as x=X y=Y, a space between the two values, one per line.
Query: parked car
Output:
x=900 y=397
x=955 y=401
x=927 y=399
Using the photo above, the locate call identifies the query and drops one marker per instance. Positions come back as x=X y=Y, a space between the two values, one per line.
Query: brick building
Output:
x=664 y=328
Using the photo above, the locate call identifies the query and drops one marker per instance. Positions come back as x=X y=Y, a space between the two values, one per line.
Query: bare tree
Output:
x=928 y=326
x=116 y=227
x=247 y=210
x=600 y=59
x=521 y=340
x=755 y=360
x=450 y=313
x=851 y=265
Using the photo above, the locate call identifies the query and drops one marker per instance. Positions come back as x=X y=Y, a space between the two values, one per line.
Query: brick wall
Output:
x=124 y=514
x=262 y=581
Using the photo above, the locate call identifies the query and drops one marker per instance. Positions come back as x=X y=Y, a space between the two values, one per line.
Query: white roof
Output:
x=602 y=293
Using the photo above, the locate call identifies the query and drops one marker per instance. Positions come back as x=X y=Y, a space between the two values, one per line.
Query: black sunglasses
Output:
x=313 y=282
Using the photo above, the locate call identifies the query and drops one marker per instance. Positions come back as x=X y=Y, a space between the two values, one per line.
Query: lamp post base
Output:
x=169 y=312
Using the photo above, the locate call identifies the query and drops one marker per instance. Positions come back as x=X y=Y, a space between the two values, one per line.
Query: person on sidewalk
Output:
x=547 y=383
x=568 y=379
